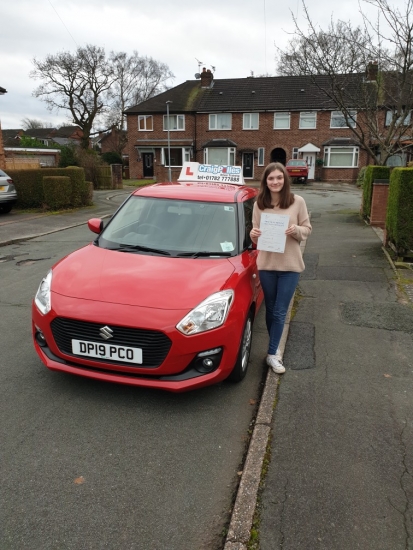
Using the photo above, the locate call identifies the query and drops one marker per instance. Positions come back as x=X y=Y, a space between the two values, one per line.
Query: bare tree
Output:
x=366 y=69
x=32 y=123
x=77 y=83
x=136 y=79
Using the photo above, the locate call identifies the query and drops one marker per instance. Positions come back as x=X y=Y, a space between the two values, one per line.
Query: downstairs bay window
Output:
x=220 y=155
x=179 y=155
x=341 y=157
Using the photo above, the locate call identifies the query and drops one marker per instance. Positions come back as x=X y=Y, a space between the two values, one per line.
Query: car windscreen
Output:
x=173 y=227
x=297 y=163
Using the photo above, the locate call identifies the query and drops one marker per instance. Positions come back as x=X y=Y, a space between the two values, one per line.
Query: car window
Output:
x=174 y=226
x=248 y=207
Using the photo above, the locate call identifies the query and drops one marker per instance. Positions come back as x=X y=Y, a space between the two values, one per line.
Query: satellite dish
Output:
x=197 y=75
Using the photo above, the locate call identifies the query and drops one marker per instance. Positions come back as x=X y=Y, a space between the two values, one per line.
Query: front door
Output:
x=310 y=159
x=147 y=159
x=248 y=165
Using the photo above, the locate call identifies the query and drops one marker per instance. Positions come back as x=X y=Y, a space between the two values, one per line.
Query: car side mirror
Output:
x=95 y=225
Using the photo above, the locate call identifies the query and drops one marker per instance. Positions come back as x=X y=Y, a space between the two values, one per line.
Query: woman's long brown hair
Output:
x=264 y=194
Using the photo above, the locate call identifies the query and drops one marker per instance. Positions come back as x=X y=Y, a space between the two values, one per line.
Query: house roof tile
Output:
x=292 y=93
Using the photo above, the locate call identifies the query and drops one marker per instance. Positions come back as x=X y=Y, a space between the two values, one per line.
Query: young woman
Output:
x=279 y=272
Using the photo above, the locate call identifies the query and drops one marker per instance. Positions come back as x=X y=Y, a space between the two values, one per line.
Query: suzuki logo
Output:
x=106 y=333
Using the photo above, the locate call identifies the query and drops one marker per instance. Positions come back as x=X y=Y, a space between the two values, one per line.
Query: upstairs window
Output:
x=338 y=120
x=220 y=121
x=250 y=121
x=281 y=121
x=308 y=120
x=400 y=121
x=176 y=122
x=145 y=123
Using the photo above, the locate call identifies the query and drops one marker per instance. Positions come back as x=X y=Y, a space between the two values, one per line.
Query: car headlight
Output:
x=209 y=314
x=43 y=295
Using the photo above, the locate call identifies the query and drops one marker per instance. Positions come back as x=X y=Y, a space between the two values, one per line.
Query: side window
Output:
x=248 y=206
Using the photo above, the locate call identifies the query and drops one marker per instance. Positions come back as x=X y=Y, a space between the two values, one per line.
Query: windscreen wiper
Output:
x=203 y=253
x=140 y=248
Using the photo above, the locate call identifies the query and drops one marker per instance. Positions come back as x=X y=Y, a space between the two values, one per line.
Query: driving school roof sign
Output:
x=193 y=171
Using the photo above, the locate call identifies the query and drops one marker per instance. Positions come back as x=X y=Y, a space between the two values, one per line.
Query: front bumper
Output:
x=181 y=369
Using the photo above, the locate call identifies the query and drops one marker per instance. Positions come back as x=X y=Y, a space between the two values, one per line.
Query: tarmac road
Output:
x=340 y=475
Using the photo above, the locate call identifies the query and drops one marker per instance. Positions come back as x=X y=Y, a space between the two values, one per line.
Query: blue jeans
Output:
x=279 y=288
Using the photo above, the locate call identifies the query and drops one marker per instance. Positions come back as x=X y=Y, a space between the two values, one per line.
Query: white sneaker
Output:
x=278 y=356
x=275 y=364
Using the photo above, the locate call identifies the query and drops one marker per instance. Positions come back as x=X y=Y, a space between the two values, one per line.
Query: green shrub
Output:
x=372 y=173
x=57 y=191
x=112 y=157
x=30 y=191
x=399 y=216
x=360 y=177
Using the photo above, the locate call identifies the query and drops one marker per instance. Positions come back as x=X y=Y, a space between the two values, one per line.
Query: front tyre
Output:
x=240 y=368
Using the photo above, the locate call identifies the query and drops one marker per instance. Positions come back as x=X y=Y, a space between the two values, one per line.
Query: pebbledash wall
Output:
x=197 y=134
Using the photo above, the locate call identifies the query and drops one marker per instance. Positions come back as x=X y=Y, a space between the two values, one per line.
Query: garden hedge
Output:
x=30 y=191
x=399 y=216
x=57 y=191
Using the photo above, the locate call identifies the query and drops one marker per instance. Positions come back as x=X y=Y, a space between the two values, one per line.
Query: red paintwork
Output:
x=297 y=171
x=152 y=292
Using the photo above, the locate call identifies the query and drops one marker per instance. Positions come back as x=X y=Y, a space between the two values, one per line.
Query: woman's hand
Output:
x=292 y=230
x=255 y=233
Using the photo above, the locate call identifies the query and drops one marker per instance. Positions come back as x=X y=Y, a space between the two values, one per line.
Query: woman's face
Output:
x=275 y=181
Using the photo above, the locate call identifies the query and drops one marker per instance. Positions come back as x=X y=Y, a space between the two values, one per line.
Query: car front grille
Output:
x=154 y=344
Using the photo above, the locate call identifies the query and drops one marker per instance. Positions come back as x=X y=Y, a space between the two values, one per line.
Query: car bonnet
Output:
x=93 y=273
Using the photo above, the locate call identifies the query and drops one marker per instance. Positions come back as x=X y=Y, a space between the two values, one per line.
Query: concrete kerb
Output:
x=37 y=234
x=242 y=516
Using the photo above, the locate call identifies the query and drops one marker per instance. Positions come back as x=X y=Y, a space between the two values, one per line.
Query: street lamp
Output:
x=169 y=143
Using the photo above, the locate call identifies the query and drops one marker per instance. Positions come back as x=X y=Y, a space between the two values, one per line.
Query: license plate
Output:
x=107 y=351
x=2 y=187
x=295 y=170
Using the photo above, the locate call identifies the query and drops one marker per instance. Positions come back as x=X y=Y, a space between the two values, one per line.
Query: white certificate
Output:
x=273 y=237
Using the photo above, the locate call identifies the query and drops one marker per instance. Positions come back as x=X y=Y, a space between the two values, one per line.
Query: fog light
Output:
x=40 y=339
x=208 y=360
x=208 y=363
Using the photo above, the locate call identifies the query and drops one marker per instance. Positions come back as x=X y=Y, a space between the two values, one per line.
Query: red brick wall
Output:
x=379 y=204
x=265 y=137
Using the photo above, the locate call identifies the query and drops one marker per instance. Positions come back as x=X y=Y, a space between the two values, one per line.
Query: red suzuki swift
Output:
x=164 y=297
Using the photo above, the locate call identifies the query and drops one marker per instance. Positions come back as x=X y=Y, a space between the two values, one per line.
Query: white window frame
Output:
x=286 y=116
x=186 y=155
x=214 y=121
x=249 y=122
x=261 y=156
x=310 y=116
x=145 y=118
x=295 y=153
x=338 y=116
x=178 y=125
x=406 y=120
x=328 y=151
x=230 y=154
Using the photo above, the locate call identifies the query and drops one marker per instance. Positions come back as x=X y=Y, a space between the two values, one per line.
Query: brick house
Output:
x=247 y=122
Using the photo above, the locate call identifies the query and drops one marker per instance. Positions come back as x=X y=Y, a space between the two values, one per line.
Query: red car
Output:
x=297 y=168
x=164 y=297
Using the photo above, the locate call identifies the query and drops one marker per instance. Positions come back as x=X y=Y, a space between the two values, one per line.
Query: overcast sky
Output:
x=235 y=36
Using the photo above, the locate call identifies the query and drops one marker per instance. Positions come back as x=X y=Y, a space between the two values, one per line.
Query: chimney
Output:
x=372 y=70
x=206 y=78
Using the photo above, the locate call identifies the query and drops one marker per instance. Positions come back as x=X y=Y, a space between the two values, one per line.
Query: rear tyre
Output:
x=305 y=179
x=241 y=366
x=5 y=208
